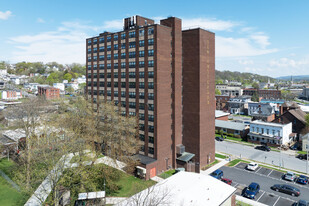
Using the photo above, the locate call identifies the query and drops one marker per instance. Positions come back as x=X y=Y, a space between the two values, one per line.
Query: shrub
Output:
x=237 y=135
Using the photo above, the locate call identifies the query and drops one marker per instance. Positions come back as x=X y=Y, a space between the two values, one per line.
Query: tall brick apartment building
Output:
x=48 y=92
x=165 y=77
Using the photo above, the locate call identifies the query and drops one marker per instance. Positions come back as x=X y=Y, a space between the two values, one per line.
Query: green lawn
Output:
x=210 y=165
x=84 y=158
x=8 y=195
x=220 y=156
x=167 y=174
x=130 y=185
x=235 y=162
x=301 y=152
x=7 y=166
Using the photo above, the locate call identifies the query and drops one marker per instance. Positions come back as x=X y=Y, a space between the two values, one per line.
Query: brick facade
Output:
x=48 y=92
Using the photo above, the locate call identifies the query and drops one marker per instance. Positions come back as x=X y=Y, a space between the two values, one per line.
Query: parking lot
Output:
x=266 y=178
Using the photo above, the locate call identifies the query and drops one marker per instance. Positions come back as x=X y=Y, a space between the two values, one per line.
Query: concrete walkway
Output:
x=215 y=167
x=9 y=180
x=157 y=179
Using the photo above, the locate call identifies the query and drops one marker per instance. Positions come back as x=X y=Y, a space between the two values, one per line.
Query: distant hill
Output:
x=242 y=77
x=295 y=78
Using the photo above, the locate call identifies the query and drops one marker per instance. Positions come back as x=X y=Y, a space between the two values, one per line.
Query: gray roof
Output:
x=219 y=113
x=186 y=156
x=230 y=125
x=144 y=159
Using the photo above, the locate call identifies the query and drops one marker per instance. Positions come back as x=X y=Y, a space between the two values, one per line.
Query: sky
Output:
x=258 y=36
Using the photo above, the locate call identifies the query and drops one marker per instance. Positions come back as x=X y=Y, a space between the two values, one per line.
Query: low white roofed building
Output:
x=187 y=189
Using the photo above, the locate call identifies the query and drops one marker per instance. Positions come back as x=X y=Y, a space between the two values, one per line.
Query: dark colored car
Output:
x=286 y=189
x=263 y=147
x=302 y=179
x=252 y=190
x=294 y=147
x=218 y=138
x=227 y=181
x=302 y=156
x=218 y=174
x=301 y=203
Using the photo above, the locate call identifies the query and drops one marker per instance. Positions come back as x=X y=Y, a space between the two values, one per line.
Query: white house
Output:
x=60 y=86
x=11 y=95
x=72 y=84
x=272 y=133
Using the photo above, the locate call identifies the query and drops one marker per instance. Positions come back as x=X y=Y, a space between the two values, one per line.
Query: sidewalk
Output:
x=114 y=200
x=215 y=167
x=157 y=179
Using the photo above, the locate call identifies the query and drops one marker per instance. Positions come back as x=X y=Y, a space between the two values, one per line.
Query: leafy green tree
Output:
x=68 y=77
x=217 y=92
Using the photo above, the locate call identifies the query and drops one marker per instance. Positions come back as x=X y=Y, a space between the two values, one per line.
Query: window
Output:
x=132 y=104
x=123 y=94
x=132 y=94
x=131 y=84
x=150 y=107
x=123 y=55
x=101 y=49
x=142 y=95
x=151 y=140
x=95 y=67
x=150 y=74
x=95 y=50
x=115 y=37
x=150 y=85
x=101 y=40
x=131 y=54
x=150 y=52
x=109 y=93
x=116 y=56
x=101 y=92
x=101 y=66
x=123 y=75
x=150 y=96
x=89 y=50
x=116 y=85
x=95 y=41
x=150 y=42
x=150 y=150
x=132 y=44
x=89 y=41
x=102 y=75
x=142 y=85
x=101 y=57
x=150 y=118
x=109 y=75
x=151 y=128
x=141 y=126
x=123 y=45
x=141 y=32
x=115 y=46
x=123 y=85
x=141 y=43
x=141 y=53
x=141 y=74
x=109 y=47
x=141 y=117
x=131 y=64
x=267 y=131
x=116 y=73
x=116 y=66
x=131 y=74
x=109 y=66
x=95 y=58
x=89 y=67
x=150 y=31
x=116 y=93
x=273 y=132
x=141 y=106
x=150 y=63
x=123 y=35
x=132 y=114
x=141 y=64
x=109 y=38
x=132 y=34
x=123 y=65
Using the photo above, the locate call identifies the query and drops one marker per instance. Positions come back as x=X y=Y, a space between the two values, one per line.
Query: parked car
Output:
x=290 y=176
x=218 y=174
x=227 y=181
x=252 y=166
x=263 y=147
x=252 y=190
x=218 y=138
x=294 y=146
x=302 y=179
x=286 y=189
x=302 y=156
x=301 y=203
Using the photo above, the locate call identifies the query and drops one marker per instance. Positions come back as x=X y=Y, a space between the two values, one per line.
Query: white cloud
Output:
x=285 y=62
x=239 y=47
x=245 y=62
x=113 y=25
x=208 y=24
x=40 y=20
x=261 y=40
x=5 y=15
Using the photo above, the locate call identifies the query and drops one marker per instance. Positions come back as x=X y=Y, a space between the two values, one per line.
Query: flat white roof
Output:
x=184 y=188
x=268 y=123
x=220 y=113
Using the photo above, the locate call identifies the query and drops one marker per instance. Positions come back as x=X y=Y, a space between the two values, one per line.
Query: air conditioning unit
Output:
x=141 y=172
x=180 y=149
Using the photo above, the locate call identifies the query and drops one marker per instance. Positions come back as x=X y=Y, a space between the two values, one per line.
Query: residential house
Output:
x=48 y=92
x=295 y=116
x=230 y=90
x=239 y=105
x=236 y=128
x=269 y=94
x=186 y=188
x=270 y=133
x=277 y=102
x=222 y=102
x=305 y=93
x=13 y=140
x=261 y=111
x=59 y=86
x=11 y=94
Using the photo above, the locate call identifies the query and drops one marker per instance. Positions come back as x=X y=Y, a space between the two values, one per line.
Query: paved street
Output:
x=288 y=161
x=266 y=178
